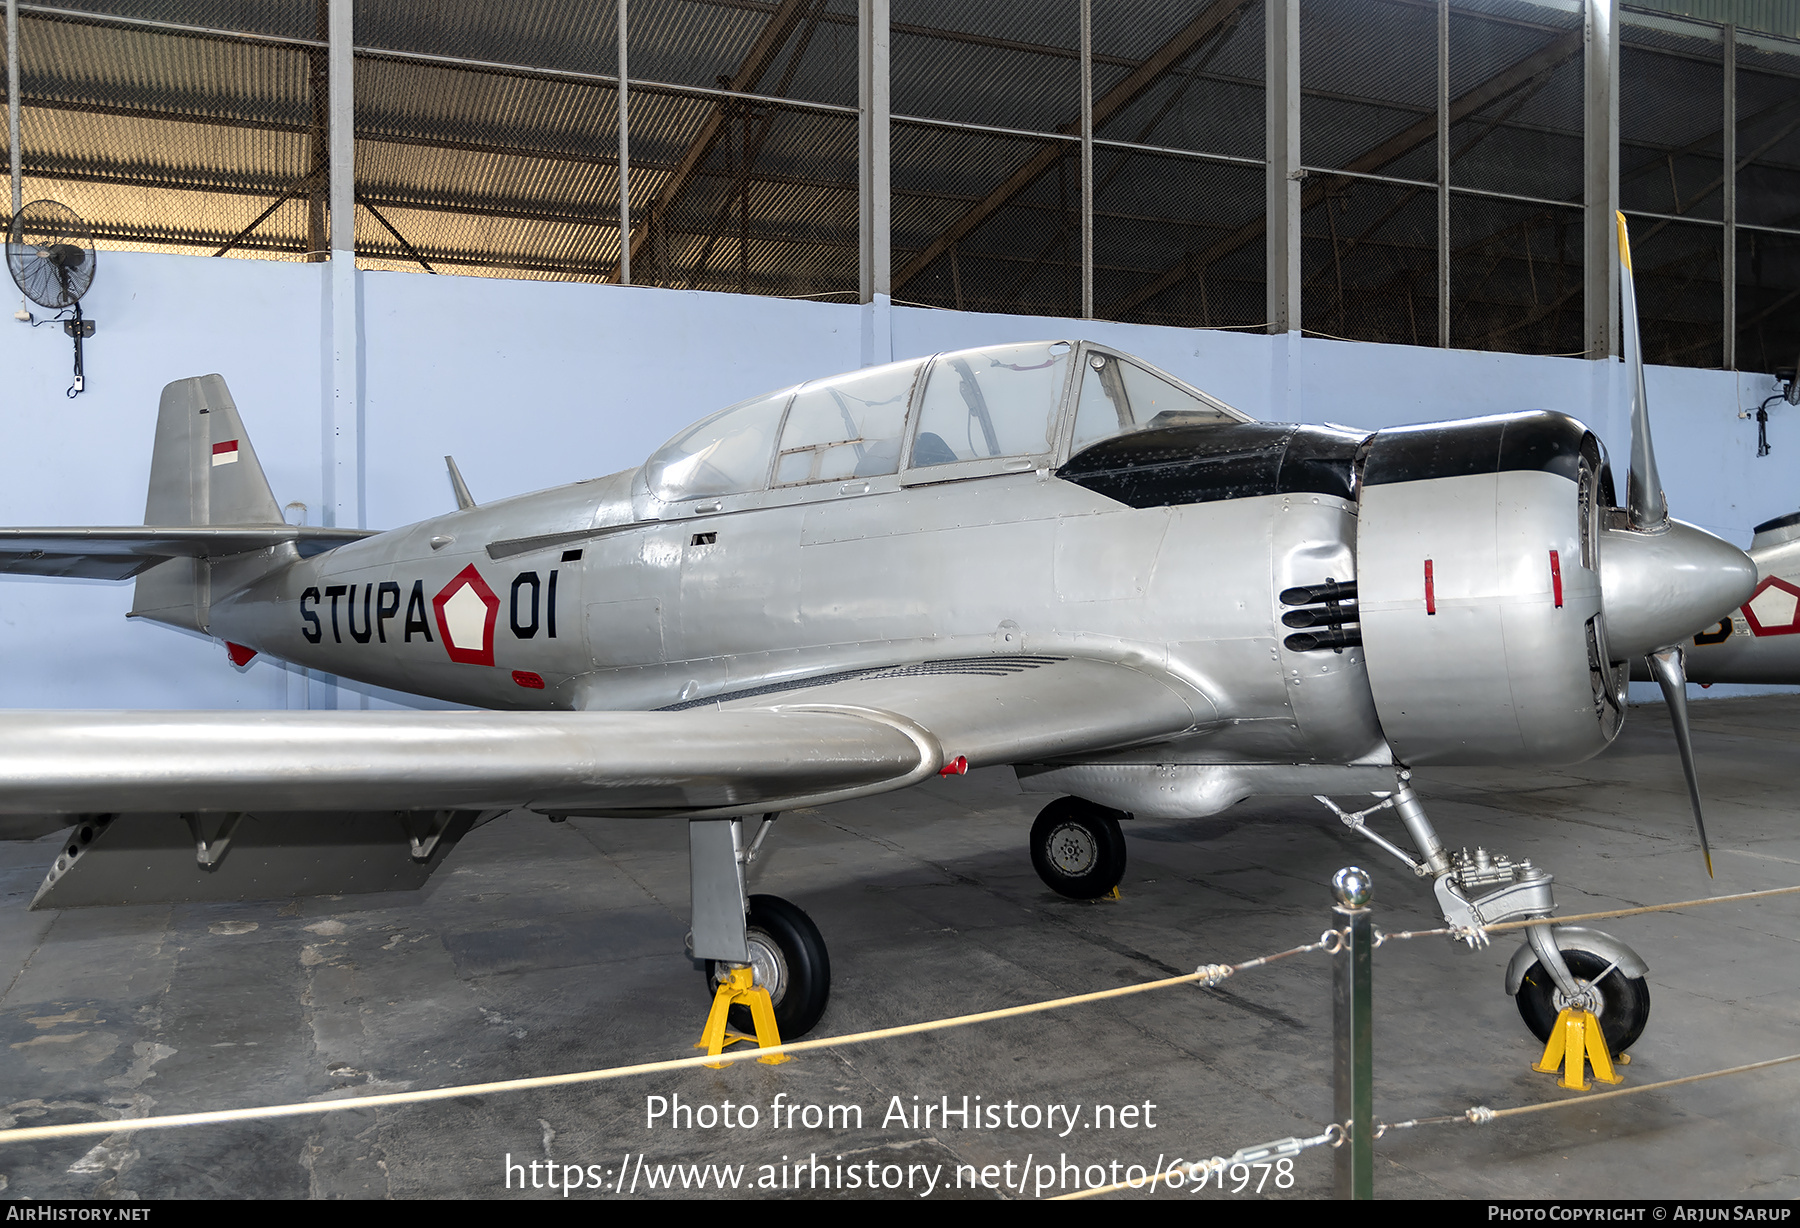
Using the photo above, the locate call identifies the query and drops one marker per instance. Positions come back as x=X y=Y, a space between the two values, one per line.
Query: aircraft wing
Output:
x=803 y=743
x=121 y=553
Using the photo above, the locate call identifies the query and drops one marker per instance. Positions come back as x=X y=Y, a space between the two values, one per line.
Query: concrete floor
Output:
x=544 y=948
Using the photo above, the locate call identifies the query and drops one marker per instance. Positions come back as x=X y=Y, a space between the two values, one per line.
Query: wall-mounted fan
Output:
x=50 y=254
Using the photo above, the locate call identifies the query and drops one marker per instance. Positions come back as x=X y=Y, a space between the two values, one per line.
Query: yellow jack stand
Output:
x=1576 y=1042
x=740 y=986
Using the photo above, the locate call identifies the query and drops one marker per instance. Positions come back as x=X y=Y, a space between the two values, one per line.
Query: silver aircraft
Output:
x=1050 y=555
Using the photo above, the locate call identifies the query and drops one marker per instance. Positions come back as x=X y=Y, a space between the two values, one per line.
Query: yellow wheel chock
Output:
x=1575 y=1043
x=738 y=986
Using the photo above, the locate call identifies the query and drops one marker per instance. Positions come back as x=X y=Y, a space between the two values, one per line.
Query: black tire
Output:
x=1078 y=849
x=783 y=941
x=1624 y=1001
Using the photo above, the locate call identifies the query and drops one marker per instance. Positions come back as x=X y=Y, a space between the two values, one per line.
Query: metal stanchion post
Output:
x=1353 y=1082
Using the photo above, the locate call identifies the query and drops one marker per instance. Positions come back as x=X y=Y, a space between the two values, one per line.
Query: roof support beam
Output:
x=1488 y=92
x=1161 y=61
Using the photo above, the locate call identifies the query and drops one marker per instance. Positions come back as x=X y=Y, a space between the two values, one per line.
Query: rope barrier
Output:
x=1481 y=1115
x=1205 y=976
x=1201 y=1170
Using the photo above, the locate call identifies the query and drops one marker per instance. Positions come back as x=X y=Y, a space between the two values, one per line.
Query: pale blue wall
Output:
x=533 y=384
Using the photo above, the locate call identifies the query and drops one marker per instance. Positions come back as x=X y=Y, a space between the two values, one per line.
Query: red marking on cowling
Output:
x=956 y=767
x=1556 y=577
x=1430 y=590
x=240 y=656
x=526 y=678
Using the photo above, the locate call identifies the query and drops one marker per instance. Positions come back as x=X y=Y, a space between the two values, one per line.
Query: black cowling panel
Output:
x=1205 y=463
x=1539 y=440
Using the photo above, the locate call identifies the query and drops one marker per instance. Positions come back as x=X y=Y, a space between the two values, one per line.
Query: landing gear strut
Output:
x=765 y=936
x=1560 y=967
x=1078 y=849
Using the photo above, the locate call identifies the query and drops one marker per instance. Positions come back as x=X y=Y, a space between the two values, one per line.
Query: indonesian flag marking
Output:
x=225 y=453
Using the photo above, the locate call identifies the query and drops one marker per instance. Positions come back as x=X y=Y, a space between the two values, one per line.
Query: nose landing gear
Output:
x=1560 y=971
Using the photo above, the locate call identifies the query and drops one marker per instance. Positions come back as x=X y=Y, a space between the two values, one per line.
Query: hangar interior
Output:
x=545 y=239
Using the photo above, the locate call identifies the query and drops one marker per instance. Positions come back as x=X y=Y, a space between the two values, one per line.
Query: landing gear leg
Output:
x=1560 y=969
x=765 y=960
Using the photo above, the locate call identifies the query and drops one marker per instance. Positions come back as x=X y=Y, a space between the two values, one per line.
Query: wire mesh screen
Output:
x=1010 y=64
x=1369 y=261
x=1768 y=300
x=1515 y=276
x=1678 y=270
x=1178 y=241
x=169 y=141
x=768 y=208
x=984 y=221
x=485 y=172
x=276 y=18
x=1208 y=96
x=1516 y=99
x=802 y=49
x=1671 y=118
x=1368 y=81
x=1768 y=132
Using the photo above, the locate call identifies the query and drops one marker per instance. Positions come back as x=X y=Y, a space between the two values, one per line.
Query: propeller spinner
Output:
x=1661 y=578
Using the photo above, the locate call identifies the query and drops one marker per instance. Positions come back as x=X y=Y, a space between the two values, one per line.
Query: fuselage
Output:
x=1050 y=499
x=637 y=605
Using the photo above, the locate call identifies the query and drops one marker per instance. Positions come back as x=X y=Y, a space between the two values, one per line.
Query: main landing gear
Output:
x=756 y=950
x=1561 y=970
x=1078 y=849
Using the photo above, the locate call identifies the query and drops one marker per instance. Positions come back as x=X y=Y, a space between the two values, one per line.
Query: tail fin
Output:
x=203 y=471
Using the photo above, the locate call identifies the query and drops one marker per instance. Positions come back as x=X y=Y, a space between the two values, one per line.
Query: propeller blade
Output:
x=1647 y=510
x=1671 y=674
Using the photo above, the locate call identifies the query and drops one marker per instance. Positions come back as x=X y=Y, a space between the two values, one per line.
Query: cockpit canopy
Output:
x=1037 y=399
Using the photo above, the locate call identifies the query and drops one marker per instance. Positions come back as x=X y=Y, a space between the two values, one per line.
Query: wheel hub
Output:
x=1072 y=849
x=1588 y=998
x=767 y=965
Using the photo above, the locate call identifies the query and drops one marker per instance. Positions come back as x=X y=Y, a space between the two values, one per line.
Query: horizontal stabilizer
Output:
x=121 y=553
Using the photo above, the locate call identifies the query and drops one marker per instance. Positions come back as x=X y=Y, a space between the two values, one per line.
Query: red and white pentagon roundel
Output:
x=1774 y=608
x=466 y=610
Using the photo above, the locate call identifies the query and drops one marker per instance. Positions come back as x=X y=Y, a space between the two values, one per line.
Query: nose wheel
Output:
x=1078 y=849
x=1621 y=1003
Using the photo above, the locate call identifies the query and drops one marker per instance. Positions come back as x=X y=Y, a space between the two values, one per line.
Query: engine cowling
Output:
x=1479 y=591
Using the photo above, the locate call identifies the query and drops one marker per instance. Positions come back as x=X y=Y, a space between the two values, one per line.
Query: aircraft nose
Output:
x=1661 y=588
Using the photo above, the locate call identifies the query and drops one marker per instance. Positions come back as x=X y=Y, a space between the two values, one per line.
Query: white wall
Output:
x=533 y=384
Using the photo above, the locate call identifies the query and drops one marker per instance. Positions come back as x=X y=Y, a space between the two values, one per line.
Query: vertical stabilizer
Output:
x=203 y=472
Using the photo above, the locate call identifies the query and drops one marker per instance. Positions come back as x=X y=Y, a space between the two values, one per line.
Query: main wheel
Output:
x=1624 y=1001
x=790 y=962
x=1078 y=849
